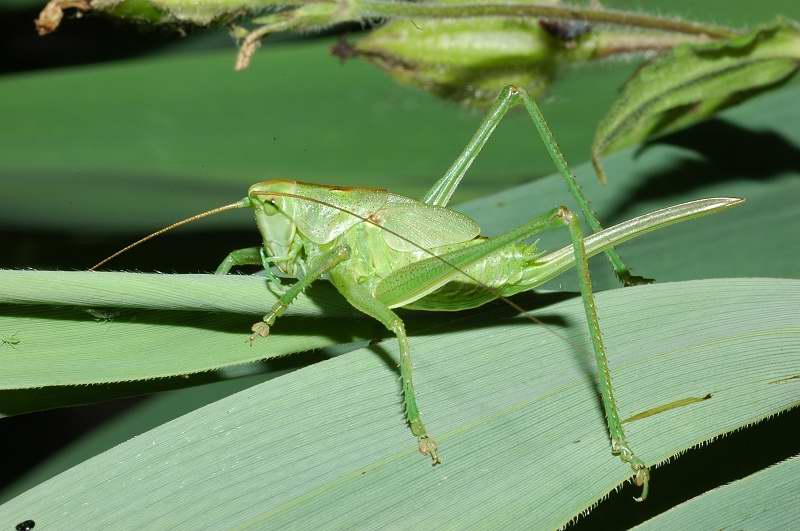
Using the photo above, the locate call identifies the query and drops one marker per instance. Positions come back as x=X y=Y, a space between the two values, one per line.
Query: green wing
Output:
x=321 y=223
x=425 y=225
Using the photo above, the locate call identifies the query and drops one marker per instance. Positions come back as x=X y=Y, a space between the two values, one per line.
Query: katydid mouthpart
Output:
x=382 y=251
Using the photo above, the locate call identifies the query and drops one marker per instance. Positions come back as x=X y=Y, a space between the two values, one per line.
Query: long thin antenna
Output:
x=494 y=290
x=239 y=204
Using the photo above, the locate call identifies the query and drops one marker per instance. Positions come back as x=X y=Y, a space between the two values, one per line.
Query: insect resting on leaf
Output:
x=383 y=251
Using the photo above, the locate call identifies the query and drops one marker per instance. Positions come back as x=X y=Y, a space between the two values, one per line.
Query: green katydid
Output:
x=383 y=251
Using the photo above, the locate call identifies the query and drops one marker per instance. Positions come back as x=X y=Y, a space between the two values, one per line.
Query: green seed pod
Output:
x=468 y=60
x=471 y=59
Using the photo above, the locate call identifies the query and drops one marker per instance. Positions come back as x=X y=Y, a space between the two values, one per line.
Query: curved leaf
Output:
x=693 y=82
x=764 y=500
x=514 y=409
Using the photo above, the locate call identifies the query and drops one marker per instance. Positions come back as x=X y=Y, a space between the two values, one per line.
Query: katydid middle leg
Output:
x=443 y=189
x=360 y=297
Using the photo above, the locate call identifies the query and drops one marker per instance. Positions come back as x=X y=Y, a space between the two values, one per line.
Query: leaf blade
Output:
x=763 y=500
x=516 y=424
x=168 y=325
x=692 y=83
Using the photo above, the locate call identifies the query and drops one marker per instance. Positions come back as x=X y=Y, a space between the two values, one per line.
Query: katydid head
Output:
x=272 y=202
x=274 y=213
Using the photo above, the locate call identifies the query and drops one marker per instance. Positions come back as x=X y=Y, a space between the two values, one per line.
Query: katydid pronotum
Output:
x=383 y=251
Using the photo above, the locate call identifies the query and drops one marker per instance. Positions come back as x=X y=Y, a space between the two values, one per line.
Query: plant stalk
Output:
x=391 y=9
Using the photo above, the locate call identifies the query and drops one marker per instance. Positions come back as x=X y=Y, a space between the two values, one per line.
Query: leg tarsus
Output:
x=628 y=279
x=642 y=473
x=428 y=446
x=262 y=327
x=642 y=479
x=259 y=329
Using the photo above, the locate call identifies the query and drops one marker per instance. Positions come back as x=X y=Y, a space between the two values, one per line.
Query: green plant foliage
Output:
x=132 y=146
x=701 y=248
x=764 y=500
x=513 y=406
x=695 y=81
x=142 y=135
x=202 y=321
x=469 y=61
x=472 y=60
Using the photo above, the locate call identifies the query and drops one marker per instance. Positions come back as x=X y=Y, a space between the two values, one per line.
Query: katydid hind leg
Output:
x=360 y=298
x=619 y=444
x=318 y=267
x=545 y=133
x=441 y=192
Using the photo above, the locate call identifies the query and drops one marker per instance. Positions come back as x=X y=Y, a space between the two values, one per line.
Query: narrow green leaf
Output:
x=514 y=409
x=764 y=500
x=693 y=82
x=132 y=326
x=156 y=291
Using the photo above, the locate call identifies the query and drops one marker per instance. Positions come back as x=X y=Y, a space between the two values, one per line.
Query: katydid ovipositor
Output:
x=383 y=251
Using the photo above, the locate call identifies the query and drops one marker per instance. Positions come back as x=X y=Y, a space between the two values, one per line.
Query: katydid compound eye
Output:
x=269 y=207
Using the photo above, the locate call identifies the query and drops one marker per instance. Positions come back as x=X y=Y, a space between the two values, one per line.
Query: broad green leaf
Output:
x=206 y=386
x=513 y=407
x=764 y=500
x=693 y=82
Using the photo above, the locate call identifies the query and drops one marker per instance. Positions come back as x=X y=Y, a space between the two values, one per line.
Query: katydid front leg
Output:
x=441 y=192
x=360 y=298
x=318 y=267
x=239 y=257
